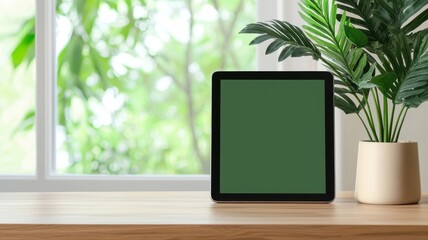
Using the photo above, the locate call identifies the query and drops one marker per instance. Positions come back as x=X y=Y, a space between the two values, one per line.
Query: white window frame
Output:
x=44 y=178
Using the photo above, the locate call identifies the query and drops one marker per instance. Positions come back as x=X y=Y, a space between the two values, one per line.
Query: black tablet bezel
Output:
x=217 y=77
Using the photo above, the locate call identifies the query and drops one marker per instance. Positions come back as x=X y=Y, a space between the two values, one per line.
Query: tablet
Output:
x=272 y=136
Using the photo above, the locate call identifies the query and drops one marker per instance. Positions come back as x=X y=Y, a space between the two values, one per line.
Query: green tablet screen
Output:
x=272 y=136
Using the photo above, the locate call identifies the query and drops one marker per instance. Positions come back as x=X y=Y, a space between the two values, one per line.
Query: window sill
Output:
x=107 y=183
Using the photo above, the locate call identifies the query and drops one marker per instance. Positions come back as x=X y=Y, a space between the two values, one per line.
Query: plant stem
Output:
x=397 y=123
x=379 y=111
x=369 y=109
x=365 y=126
x=401 y=124
x=391 y=139
x=385 y=118
x=371 y=124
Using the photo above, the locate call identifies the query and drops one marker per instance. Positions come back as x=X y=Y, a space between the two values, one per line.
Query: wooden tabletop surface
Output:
x=137 y=210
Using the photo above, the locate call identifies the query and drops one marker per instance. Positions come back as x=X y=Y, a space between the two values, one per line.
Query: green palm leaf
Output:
x=416 y=22
x=340 y=53
x=413 y=90
x=410 y=9
x=291 y=39
x=365 y=18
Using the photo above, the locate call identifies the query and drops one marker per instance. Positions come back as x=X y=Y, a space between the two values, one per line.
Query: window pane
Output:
x=17 y=87
x=134 y=81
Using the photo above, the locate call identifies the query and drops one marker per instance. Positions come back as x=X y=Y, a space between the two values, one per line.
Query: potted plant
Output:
x=380 y=62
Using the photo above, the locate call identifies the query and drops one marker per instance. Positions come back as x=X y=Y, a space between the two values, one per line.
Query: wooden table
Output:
x=192 y=215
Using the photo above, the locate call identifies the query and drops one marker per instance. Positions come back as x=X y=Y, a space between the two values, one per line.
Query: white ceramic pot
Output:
x=388 y=173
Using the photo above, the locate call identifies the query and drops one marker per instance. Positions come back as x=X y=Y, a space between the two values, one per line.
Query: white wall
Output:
x=349 y=130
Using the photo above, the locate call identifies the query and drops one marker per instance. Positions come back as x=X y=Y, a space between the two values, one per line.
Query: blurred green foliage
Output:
x=17 y=87
x=133 y=81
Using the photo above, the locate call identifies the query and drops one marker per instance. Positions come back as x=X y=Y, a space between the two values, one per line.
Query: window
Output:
x=133 y=82
x=123 y=89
